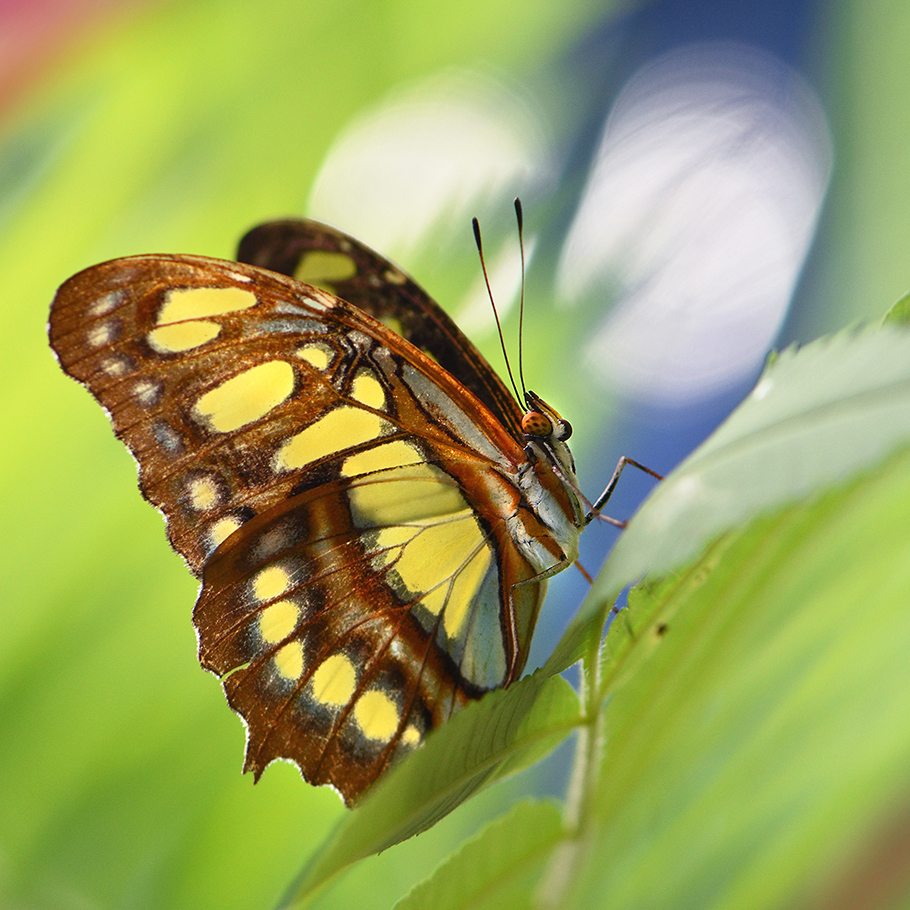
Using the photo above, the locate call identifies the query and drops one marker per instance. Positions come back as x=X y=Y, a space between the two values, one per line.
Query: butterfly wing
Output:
x=327 y=258
x=348 y=505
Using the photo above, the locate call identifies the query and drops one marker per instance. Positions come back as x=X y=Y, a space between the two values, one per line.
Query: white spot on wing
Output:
x=104 y=305
x=147 y=392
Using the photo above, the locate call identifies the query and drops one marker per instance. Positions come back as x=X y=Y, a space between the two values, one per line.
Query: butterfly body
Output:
x=372 y=515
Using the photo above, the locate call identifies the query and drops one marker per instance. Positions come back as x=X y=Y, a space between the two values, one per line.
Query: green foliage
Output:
x=756 y=735
x=493 y=737
x=497 y=868
x=899 y=314
x=741 y=737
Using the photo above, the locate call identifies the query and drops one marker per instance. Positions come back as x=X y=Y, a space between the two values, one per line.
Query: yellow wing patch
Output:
x=317 y=356
x=441 y=562
x=278 y=621
x=427 y=553
x=394 y=454
x=334 y=681
x=401 y=494
x=197 y=303
x=341 y=428
x=183 y=336
x=271 y=582
x=457 y=600
x=288 y=660
x=410 y=736
x=377 y=715
x=322 y=268
x=222 y=529
x=368 y=390
x=244 y=398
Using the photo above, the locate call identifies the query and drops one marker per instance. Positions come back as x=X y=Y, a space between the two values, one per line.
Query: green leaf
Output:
x=496 y=736
x=498 y=868
x=757 y=736
x=899 y=314
x=817 y=415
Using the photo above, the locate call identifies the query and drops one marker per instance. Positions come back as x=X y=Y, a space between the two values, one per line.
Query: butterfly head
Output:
x=542 y=421
x=545 y=434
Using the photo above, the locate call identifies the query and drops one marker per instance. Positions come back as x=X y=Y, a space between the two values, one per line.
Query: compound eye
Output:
x=533 y=423
x=563 y=430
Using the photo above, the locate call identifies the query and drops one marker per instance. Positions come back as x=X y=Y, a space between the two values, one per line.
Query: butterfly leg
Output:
x=601 y=500
x=545 y=573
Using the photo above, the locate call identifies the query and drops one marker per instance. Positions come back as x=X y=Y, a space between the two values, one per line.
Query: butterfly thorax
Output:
x=547 y=527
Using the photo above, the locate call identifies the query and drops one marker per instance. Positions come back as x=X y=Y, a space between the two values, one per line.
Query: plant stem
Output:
x=569 y=856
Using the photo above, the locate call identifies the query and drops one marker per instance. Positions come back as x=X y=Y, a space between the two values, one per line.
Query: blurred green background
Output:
x=174 y=127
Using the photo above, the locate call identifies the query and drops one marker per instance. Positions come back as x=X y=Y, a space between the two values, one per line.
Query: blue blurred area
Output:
x=661 y=434
x=608 y=55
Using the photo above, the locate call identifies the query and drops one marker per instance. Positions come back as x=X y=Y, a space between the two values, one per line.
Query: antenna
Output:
x=521 y=305
x=486 y=278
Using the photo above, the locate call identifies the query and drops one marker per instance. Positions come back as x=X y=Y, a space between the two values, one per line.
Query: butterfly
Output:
x=372 y=514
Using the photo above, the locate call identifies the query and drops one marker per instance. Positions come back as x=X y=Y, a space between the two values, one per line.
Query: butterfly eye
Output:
x=563 y=430
x=533 y=423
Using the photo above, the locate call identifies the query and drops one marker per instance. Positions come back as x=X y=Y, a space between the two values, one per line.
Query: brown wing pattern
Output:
x=342 y=497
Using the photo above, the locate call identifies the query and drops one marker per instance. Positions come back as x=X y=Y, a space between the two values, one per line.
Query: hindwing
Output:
x=351 y=497
x=322 y=256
